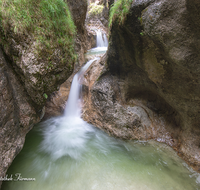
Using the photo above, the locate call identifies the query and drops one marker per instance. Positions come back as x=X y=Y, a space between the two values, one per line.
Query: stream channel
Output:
x=67 y=153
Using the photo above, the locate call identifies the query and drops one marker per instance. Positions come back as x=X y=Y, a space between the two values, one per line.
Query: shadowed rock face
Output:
x=17 y=115
x=78 y=9
x=151 y=88
x=106 y=107
x=24 y=78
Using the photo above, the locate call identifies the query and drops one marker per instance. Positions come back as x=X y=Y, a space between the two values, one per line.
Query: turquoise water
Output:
x=95 y=52
x=85 y=158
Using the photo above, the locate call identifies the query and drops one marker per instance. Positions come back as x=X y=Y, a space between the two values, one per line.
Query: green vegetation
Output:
x=95 y=9
x=141 y=33
x=45 y=95
x=119 y=11
x=140 y=19
x=49 y=22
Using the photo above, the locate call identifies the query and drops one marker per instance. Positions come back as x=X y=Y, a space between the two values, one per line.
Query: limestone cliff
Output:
x=148 y=85
x=79 y=10
x=17 y=115
x=150 y=88
x=34 y=61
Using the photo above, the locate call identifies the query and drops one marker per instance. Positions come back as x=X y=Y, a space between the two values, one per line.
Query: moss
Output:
x=141 y=33
x=45 y=95
x=48 y=22
x=119 y=11
x=98 y=78
x=144 y=11
x=140 y=19
x=69 y=67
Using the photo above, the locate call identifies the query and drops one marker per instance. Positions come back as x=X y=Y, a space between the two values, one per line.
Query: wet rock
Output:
x=147 y=87
x=17 y=115
x=156 y=55
x=40 y=74
x=56 y=103
x=91 y=39
x=105 y=108
x=98 y=21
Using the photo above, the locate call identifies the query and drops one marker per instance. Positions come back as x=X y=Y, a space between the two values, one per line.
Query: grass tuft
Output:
x=49 y=22
x=119 y=11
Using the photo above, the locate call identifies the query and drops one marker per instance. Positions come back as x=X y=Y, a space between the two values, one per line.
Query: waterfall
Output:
x=101 y=42
x=68 y=134
x=105 y=40
x=101 y=39
x=72 y=108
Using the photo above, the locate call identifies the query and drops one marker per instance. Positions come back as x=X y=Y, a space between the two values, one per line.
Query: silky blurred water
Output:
x=71 y=154
x=101 y=39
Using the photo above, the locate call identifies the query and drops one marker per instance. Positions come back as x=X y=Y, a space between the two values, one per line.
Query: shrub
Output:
x=95 y=9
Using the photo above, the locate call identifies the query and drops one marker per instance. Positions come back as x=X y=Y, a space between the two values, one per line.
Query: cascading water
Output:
x=102 y=44
x=73 y=104
x=73 y=155
x=101 y=39
x=67 y=135
x=105 y=40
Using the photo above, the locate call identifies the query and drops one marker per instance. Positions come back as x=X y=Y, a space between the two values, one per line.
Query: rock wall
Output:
x=79 y=9
x=17 y=115
x=26 y=80
x=150 y=88
x=147 y=86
